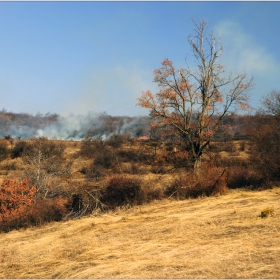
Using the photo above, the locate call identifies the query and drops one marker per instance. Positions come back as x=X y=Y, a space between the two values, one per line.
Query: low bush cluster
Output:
x=16 y=202
x=112 y=170
x=121 y=191
x=212 y=180
x=105 y=158
x=49 y=209
x=19 y=207
x=240 y=177
x=117 y=140
x=90 y=146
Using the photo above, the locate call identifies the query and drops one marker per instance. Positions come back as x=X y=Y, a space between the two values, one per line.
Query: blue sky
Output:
x=80 y=57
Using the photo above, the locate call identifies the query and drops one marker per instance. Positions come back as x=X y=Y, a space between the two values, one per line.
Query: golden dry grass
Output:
x=216 y=237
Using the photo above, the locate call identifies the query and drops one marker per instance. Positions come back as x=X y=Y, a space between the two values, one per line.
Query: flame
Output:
x=145 y=137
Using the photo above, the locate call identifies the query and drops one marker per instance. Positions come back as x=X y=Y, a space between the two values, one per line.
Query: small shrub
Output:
x=18 y=149
x=43 y=160
x=154 y=194
x=86 y=200
x=48 y=209
x=95 y=172
x=266 y=212
x=128 y=155
x=239 y=177
x=178 y=159
x=121 y=191
x=105 y=159
x=182 y=187
x=116 y=140
x=16 y=202
x=91 y=145
x=19 y=208
x=9 y=138
x=142 y=155
x=212 y=180
x=4 y=151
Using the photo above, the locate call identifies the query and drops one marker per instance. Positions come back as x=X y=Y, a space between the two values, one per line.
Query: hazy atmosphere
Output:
x=80 y=57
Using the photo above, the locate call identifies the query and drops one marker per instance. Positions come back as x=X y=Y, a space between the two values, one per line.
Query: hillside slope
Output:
x=216 y=237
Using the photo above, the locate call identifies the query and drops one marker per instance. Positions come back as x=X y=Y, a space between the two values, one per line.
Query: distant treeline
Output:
x=7 y=119
x=54 y=126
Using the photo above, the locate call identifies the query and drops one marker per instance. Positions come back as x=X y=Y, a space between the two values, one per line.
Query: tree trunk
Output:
x=197 y=166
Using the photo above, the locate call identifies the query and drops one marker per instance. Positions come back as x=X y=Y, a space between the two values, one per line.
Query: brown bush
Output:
x=4 y=151
x=265 y=147
x=90 y=146
x=116 y=140
x=95 y=172
x=48 y=209
x=212 y=180
x=182 y=187
x=179 y=159
x=86 y=200
x=105 y=159
x=18 y=149
x=16 y=202
x=239 y=177
x=154 y=194
x=128 y=155
x=121 y=190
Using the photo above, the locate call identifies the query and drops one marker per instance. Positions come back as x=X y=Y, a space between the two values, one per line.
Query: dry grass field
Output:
x=209 y=237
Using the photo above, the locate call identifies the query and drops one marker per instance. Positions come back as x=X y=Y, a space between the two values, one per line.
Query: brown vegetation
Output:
x=73 y=179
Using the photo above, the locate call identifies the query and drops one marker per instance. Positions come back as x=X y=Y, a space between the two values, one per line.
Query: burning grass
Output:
x=216 y=237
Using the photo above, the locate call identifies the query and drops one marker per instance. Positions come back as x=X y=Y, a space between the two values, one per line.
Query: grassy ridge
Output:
x=216 y=237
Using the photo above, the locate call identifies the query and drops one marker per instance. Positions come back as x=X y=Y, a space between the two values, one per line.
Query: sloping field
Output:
x=216 y=237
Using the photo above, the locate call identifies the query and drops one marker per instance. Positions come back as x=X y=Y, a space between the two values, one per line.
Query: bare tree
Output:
x=271 y=103
x=194 y=102
x=44 y=164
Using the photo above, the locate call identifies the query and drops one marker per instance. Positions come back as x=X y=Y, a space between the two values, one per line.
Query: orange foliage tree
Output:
x=16 y=200
x=193 y=102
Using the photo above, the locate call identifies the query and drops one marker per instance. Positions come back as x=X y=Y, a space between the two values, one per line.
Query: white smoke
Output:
x=77 y=127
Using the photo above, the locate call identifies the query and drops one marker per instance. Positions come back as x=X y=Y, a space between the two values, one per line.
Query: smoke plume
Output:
x=72 y=127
